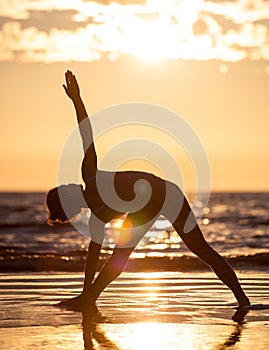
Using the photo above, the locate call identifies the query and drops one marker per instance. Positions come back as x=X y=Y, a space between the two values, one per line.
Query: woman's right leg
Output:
x=110 y=271
x=131 y=233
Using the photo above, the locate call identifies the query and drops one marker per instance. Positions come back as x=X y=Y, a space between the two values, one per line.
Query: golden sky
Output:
x=207 y=61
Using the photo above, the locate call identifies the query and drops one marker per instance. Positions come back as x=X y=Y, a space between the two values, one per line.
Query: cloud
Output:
x=31 y=45
x=239 y=11
x=77 y=30
x=45 y=20
x=21 y=9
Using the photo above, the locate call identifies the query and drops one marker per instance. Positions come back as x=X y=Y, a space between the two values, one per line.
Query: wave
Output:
x=249 y=221
x=31 y=222
x=252 y=222
x=74 y=261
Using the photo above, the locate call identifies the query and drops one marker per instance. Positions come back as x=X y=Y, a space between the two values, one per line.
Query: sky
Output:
x=206 y=61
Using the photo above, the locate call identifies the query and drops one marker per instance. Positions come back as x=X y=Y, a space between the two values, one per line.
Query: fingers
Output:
x=70 y=78
x=71 y=86
x=67 y=77
x=69 y=74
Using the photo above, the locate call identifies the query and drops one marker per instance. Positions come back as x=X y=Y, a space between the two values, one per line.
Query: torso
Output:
x=112 y=194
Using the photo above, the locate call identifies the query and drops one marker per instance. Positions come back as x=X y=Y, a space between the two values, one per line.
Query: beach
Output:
x=166 y=298
x=165 y=310
x=116 y=114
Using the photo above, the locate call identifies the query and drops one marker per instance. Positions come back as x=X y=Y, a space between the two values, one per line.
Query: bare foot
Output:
x=244 y=303
x=242 y=310
x=80 y=303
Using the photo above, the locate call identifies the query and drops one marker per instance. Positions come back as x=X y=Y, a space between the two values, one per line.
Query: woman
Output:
x=142 y=197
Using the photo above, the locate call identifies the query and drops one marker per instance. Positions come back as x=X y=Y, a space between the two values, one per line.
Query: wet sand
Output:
x=138 y=311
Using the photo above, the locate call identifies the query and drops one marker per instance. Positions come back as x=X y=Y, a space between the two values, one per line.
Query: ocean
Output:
x=235 y=224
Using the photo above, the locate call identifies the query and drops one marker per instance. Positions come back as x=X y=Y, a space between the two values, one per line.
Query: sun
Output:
x=143 y=41
x=164 y=35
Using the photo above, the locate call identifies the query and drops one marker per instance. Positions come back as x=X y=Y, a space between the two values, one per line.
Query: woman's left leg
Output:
x=187 y=227
x=195 y=241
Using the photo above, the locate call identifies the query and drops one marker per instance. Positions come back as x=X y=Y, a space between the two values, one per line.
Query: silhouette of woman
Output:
x=137 y=220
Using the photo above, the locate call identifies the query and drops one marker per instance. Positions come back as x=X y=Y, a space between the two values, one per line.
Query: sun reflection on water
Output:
x=147 y=336
x=173 y=336
x=160 y=336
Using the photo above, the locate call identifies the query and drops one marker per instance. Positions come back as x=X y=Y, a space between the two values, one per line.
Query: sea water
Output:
x=235 y=224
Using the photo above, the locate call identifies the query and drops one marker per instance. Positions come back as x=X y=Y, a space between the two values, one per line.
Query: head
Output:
x=64 y=202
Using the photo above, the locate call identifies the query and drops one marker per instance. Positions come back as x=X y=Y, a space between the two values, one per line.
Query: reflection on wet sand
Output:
x=236 y=334
x=154 y=335
x=92 y=332
x=233 y=338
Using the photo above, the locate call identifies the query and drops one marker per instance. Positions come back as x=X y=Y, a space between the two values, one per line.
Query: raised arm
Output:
x=71 y=88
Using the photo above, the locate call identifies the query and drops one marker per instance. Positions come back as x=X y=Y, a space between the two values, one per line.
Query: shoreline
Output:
x=16 y=261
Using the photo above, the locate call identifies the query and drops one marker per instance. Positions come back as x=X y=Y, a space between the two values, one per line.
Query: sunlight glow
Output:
x=152 y=31
x=147 y=336
x=152 y=335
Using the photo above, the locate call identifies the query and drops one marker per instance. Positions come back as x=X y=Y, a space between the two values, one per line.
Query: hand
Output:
x=71 y=88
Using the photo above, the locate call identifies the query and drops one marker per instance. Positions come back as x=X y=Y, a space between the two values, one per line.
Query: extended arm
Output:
x=90 y=161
